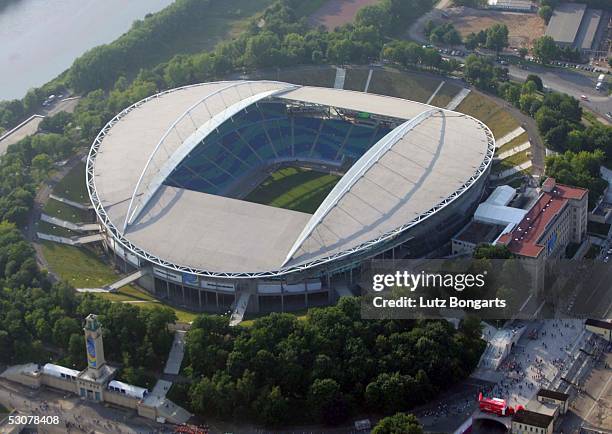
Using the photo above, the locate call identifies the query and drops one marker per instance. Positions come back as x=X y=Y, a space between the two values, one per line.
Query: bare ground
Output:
x=334 y=13
x=523 y=27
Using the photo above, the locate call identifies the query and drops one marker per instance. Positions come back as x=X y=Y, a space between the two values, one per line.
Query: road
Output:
x=415 y=31
x=569 y=82
x=590 y=407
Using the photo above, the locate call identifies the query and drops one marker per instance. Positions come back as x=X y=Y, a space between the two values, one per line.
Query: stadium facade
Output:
x=168 y=177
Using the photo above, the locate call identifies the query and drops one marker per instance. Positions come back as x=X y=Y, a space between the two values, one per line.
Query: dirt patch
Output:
x=523 y=27
x=335 y=13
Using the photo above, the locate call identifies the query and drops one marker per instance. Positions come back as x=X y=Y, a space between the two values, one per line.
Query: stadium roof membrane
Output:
x=427 y=161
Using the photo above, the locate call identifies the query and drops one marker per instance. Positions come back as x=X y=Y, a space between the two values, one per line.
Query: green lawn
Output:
x=79 y=266
x=494 y=116
x=82 y=268
x=445 y=95
x=514 y=160
x=519 y=140
x=356 y=79
x=72 y=186
x=294 y=188
x=405 y=85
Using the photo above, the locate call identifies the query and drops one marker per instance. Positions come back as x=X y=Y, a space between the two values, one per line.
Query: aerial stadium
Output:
x=273 y=194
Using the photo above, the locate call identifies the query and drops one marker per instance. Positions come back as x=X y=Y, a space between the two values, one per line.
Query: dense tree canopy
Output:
x=399 y=423
x=39 y=319
x=327 y=366
x=580 y=169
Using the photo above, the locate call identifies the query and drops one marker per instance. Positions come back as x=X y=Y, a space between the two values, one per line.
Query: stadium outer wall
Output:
x=297 y=289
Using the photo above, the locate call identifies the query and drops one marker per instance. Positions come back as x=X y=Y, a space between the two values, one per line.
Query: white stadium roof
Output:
x=414 y=170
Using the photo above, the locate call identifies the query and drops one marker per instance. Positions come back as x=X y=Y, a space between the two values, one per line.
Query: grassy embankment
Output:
x=84 y=267
x=494 y=116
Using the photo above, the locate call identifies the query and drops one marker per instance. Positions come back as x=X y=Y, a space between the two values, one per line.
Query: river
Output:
x=39 y=39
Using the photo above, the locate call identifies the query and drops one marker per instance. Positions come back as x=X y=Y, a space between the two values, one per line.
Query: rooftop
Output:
x=524 y=239
x=57 y=370
x=588 y=28
x=532 y=418
x=425 y=165
x=553 y=394
x=477 y=232
x=565 y=22
x=599 y=323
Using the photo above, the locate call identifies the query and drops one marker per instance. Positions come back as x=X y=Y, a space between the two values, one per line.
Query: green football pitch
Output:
x=294 y=188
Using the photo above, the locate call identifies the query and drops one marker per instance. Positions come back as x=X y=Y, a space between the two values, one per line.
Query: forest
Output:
x=326 y=367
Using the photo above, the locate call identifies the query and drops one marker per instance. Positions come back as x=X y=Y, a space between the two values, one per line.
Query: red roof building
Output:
x=558 y=217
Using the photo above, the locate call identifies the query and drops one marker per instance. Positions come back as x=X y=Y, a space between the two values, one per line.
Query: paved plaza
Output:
x=543 y=355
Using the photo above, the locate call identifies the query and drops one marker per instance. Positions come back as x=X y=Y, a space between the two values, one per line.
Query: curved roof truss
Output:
x=150 y=185
x=355 y=173
x=119 y=237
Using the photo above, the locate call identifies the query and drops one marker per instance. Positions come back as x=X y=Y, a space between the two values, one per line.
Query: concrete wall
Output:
x=27 y=380
x=604 y=333
x=60 y=383
x=120 y=400
x=146 y=411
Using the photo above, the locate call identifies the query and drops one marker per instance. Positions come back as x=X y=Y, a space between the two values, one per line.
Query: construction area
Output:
x=523 y=28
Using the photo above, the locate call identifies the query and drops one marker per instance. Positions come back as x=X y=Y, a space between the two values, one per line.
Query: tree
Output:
x=262 y=49
x=537 y=80
x=326 y=401
x=545 y=13
x=497 y=37
x=452 y=37
x=488 y=251
x=63 y=329
x=545 y=49
x=523 y=51
x=529 y=87
x=340 y=51
x=580 y=169
x=400 y=423
x=374 y=15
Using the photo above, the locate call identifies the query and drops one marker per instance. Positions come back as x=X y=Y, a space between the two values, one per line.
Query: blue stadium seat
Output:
x=263 y=132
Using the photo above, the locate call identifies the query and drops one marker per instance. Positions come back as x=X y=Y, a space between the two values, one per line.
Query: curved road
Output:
x=569 y=82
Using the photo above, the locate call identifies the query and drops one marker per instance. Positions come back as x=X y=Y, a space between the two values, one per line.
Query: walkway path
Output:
x=367 y=85
x=157 y=398
x=77 y=227
x=454 y=103
x=74 y=241
x=21 y=131
x=175 y=358
x=511 y=171
x=508 y=137
x=513 y=151
x=240 y=309
x=433 y=95
x=70 y=202
x=128 y=279
x=538 y=150
x=340 y=77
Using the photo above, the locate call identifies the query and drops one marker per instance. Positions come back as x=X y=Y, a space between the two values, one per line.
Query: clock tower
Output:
x=93 y=344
